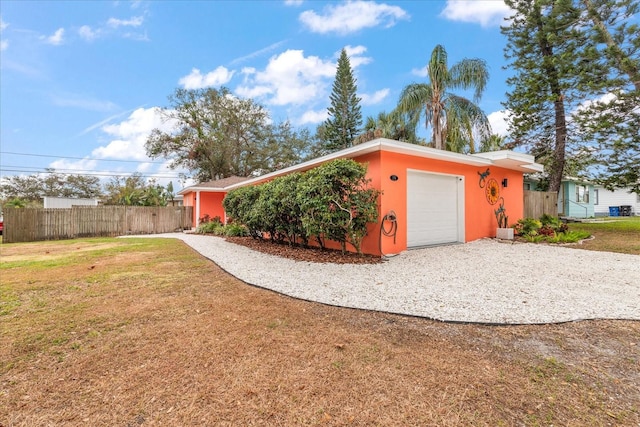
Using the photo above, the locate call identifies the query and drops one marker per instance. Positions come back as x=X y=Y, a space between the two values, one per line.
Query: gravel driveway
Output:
x=484 y=281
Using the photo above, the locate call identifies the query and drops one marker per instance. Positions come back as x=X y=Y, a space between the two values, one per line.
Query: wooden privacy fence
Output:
x=538 y=203
x=30 y=225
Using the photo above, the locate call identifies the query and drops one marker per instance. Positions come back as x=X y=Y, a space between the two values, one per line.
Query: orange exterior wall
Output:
x=479 y=218
x=211 y=204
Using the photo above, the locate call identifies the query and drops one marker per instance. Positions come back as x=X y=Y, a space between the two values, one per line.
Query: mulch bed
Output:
x=300 y=253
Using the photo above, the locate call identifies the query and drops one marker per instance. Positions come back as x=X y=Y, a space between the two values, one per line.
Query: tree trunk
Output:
x=557 y=165
x=437 y=130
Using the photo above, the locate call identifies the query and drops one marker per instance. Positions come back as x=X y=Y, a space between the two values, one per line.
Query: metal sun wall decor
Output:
x=492 y=191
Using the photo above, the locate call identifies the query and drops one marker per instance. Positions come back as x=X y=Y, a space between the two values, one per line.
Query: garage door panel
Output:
x=432 y=209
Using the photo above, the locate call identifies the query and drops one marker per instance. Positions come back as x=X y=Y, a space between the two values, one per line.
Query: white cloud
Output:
x=56 y=38
x=421 y=72
x=289 y=78
x=195 y=80
x=313 y=117
x=499 y=121
x=354 y=53
x=75 y=165
x=352 y=16
x=3 y=24
x=376 y=98
x=293 y=2
x=484 y=12
x=136 y=21
x=604 y=99
x=130 y=135
x=87 y=33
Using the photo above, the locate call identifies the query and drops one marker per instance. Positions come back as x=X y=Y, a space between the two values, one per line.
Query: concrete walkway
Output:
x=484 y=281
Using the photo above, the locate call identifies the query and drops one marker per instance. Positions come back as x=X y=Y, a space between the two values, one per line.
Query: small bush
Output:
x=208 y=227
x=236 y=230
x=572 y=236
x=527 y=226
x=548 y=229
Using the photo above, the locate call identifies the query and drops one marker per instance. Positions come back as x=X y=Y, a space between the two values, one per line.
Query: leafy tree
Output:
x=394 y=125
x=612 y=121
x=493 y=143
x=218 y=135
x=135 y=191
x=455 y=121
x=16 y=203
x=569 y=55
x=51 y=184
x=342 y=126
x=544 y=49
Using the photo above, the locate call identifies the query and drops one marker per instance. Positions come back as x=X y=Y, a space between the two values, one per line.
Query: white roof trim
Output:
x=512 y=160
x=194 y=188
x=505 y=158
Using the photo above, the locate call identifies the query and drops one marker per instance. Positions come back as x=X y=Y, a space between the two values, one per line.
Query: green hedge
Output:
x=331 y=202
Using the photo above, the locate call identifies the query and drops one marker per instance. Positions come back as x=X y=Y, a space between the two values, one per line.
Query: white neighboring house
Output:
x=67 y=202
x=619 y=198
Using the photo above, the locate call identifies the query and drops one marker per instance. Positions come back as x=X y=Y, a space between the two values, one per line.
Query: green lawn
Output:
x=612 y=234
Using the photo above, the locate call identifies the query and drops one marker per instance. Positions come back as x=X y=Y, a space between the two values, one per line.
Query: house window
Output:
x=595 y=196
x=582 y=194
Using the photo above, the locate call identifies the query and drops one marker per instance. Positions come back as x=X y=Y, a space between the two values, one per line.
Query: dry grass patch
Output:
x=147 y=332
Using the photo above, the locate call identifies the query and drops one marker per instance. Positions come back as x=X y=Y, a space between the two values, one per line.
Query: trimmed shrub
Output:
x=333 y=201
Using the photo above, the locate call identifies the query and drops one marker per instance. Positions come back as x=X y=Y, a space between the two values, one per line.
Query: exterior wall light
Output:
x=393 y=177
x=505 y=182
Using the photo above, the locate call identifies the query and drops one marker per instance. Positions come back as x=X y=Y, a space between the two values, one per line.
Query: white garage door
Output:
x=435 y=209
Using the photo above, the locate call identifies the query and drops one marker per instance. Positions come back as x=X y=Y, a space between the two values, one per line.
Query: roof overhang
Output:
x=504 y=159
x=512 y=160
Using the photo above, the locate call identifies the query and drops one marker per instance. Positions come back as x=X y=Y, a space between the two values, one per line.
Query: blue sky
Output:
x=81 y=81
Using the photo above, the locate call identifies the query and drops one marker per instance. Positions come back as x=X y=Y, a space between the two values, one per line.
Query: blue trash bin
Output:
x=614 y=210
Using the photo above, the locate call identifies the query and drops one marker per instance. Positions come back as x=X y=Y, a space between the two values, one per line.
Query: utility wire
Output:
x=122 y=174
x=79 y=158
x=72 y=171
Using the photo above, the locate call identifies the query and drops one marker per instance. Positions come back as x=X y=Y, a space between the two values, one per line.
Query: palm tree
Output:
x=455 y=121
x=394 y=125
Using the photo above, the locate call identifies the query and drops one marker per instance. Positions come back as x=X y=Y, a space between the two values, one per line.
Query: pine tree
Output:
x=545 y=47
x=612 y=121
x=577 y=87
x=343 y=125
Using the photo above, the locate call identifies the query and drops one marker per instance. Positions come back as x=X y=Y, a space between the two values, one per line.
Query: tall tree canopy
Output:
x=569 y=56
x=51 y=184
x=217 y=135
x=612 y=120
x=455 y=122
x=392 y=125
x=345 y=118
x=134 y=190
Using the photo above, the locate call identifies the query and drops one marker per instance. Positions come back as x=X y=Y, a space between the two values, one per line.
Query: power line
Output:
x=104 y=174
x=79 y=158
x=73 y=171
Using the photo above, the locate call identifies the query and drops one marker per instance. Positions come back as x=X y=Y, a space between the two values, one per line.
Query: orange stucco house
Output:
x=437 y=196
